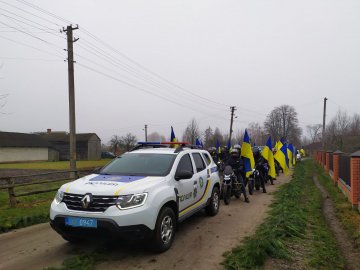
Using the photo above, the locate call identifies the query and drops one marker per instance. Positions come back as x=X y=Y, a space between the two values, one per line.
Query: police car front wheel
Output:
x=164 y=230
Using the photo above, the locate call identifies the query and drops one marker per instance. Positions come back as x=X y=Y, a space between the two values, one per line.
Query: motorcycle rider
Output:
x=260 y=165
x=236 y=164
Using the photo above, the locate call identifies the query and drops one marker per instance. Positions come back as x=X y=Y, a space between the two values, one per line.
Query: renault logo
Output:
x=85 y=202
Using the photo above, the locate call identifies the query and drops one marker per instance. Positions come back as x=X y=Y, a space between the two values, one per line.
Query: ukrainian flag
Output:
x=268 y=155
x=218 y=149
x=247 y=154
x=281 y=157
x=172 y=137
x=292 y=158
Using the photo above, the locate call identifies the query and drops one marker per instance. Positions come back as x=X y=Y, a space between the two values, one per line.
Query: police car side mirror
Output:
x=183 y=174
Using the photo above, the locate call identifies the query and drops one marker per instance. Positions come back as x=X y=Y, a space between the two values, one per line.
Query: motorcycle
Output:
x=230 y=186
x=256 y=180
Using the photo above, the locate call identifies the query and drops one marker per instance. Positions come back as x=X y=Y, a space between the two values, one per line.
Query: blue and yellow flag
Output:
x=291 y=154
x=229 y=146
x=247 y=154
x=218 y=149
x=268 y=155
x=172 y=137
x=281 y=157
x=198 y=143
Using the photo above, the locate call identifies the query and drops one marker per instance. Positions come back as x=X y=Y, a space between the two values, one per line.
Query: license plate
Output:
x=81 y=222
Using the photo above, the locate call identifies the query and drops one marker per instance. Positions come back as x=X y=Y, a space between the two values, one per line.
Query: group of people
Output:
x=232 y=157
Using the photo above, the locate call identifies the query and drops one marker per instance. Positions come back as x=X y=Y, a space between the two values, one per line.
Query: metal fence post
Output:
x=11 y=191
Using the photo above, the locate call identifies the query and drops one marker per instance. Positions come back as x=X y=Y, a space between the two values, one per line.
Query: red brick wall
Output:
x=336 y=168
x=355 y=180
x=327 y=160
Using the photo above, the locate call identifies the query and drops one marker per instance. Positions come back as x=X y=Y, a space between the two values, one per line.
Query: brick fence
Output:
x=344 y=171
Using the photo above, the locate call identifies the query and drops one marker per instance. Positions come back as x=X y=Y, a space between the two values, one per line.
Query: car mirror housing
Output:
x=183 y=174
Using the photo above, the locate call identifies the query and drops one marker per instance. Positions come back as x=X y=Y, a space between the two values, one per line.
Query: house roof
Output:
x=14 y=139
x=64 y=137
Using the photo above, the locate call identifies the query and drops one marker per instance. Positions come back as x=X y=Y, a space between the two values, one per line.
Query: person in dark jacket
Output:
x=236 y=163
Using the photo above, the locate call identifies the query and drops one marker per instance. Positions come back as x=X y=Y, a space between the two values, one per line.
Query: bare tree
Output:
x=208 y=138
x=282 y=122
x=191 y=132
x=314 y=132
x=355 y=125
x=128 y=141
x=218 y=136
x=337 y=128
x=257 y=133
x=115 y=143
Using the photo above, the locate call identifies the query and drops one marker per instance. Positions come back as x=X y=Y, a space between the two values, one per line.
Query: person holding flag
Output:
x=247 y=154
x=268 y=155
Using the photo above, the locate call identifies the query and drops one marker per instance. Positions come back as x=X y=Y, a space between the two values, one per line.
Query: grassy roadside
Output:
x=349 y=218
x=295 y=227
x=58 y=165
x=34 y=209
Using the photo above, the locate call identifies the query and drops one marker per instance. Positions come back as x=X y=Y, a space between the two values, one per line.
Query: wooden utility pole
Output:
x=70 y=40
x=323 y=128
x=232 y=108
x=146 y=132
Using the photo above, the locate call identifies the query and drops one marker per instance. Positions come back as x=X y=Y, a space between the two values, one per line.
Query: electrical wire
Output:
x=28 y=59
x=31 y=35
x=148 y=70
x=101 y=54
x=12 y=18
x=142 y=89
x=155 y=84
x=25 y=11
x=32 y=47
x=43 y=11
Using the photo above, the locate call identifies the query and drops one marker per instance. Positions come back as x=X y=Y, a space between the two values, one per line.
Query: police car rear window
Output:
x=199 y=163
x=207 y=158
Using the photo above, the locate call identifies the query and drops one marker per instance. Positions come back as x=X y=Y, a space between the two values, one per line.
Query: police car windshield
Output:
x=145 y=164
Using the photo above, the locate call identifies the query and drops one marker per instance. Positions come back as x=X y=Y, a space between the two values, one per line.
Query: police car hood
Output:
x=98 y=184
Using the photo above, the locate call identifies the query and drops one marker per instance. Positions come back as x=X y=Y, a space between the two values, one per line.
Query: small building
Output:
x=88 y=145
x=22 y=147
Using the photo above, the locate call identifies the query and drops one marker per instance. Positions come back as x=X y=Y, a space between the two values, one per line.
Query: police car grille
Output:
x=98 y=204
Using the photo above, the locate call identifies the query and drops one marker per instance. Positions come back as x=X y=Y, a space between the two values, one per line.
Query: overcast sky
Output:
x=180 y=59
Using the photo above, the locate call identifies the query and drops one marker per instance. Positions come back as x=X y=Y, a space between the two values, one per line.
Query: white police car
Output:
x=141 y=194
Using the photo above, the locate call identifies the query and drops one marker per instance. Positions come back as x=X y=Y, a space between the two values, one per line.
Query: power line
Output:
x=137 y=77
x=28 y=59
x=32 y=47
x=25 y=11
x=12 y=18
x=141 y=89
x=31 y=35
x=148 y=70
x=127 y=68
x=43 y=11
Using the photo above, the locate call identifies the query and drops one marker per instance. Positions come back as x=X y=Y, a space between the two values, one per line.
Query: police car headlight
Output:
x=59 y=196
x=131 y=201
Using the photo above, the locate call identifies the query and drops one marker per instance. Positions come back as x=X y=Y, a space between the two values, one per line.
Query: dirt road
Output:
x=199 y=242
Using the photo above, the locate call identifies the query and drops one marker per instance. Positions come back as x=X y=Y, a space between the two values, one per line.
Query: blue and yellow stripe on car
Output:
x=196 y=204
